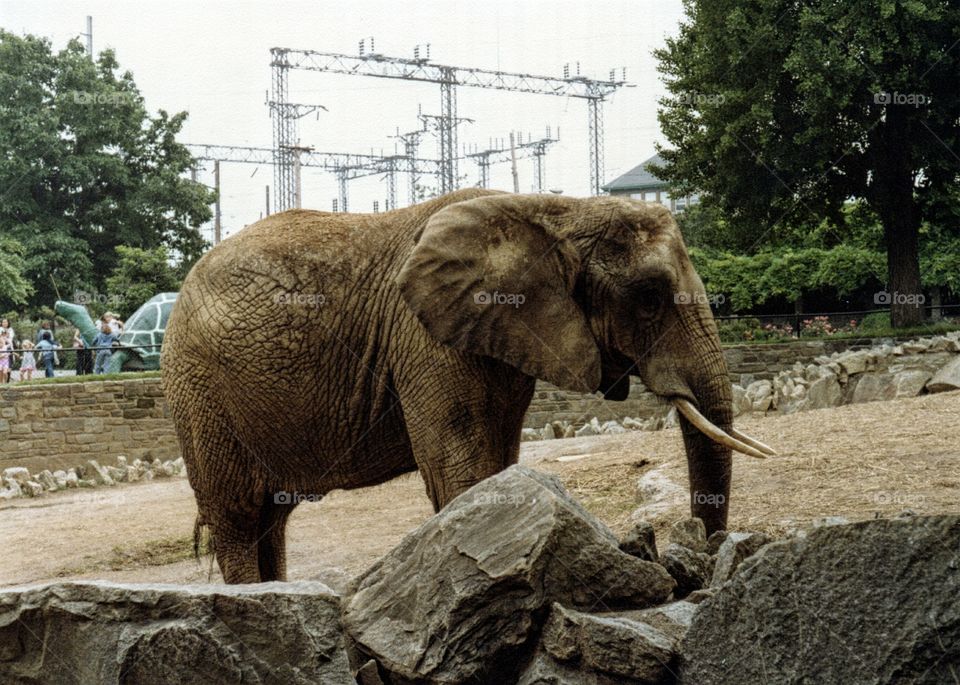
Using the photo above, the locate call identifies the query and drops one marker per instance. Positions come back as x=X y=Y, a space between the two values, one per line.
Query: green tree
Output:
x=138 y=276
x=781 y=112
x=14 y=288
x=84 y=168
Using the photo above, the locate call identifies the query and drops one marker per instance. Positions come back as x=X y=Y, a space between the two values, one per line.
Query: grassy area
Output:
x=128 y=376
x=158 y=552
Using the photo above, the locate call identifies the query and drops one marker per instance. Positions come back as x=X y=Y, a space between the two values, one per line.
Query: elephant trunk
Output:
x=709 y=462
x=694 y=376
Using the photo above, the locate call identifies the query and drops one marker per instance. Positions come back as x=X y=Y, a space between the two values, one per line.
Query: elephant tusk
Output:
x=712 y=432
x=753 y=442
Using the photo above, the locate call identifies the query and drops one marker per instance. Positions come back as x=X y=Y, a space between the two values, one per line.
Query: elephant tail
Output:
x=202 y=538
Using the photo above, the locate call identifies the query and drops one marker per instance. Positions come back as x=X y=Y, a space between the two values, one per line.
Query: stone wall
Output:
x=61 y=425
x=64 y=424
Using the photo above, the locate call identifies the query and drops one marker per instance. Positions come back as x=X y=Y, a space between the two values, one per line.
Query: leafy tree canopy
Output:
x=139 y=275
x=780 y=113
x=84 y=168
x=14 y=288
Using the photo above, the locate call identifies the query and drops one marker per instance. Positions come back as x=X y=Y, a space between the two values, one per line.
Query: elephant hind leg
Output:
x=272 y=539
x=235 y=547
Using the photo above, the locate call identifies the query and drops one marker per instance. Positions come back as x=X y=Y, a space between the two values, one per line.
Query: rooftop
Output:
x=638 y=177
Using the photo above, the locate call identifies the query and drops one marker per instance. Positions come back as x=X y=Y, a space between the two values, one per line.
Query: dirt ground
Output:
x=857 y=461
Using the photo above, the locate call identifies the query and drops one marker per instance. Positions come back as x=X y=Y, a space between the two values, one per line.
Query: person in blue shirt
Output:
x=103 y=345
x=44 y=328
x=48 y=350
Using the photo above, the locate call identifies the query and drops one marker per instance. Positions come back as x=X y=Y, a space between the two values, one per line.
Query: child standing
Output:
x=6 y=355
x=103 y=345
x=48 y=351
x=28 y=364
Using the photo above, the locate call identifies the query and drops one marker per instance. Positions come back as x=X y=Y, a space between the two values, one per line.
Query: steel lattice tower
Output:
x=284 y=135
x=449 y=78
x=595 y=132
x=448 y=130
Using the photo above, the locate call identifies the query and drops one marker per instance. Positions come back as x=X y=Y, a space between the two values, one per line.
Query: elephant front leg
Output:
x=465 y=431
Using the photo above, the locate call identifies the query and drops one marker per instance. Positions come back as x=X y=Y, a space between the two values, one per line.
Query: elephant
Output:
x=315 y=351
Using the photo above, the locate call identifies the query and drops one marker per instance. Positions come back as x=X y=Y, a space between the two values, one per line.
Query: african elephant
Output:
x=314 y=351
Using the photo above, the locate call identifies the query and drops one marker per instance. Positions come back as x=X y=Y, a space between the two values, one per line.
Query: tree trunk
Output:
x=896 y=205
x=902 y=233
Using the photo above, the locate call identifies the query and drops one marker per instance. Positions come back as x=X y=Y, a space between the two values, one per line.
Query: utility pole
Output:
x=513 y=164
x=502 y=153
x=266 y=189
x=216 y=211
x=89 y=36
x=342 y=178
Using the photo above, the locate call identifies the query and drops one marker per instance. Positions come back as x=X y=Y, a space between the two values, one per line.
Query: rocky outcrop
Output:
x=947 y=378
x=514 y=582
x=18 y=482
x=885 y=372
x=462 y=595
x=870 y=602
x=95 y=632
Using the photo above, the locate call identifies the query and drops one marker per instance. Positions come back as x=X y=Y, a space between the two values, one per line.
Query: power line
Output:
x=420 y=68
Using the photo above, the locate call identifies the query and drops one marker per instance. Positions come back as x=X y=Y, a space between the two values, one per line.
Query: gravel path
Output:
x=856 y=461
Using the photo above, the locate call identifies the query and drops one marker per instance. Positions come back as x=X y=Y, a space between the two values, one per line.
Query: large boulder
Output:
x=98 y=632
x=640 y=541
x=691 y=570
x=735 y=548
x=910 y=382
x=593 y=649
x=947 y=378
x=871 y=602
x=824 y=392
x=689 y=532
x=853 y=362
x=463 y=594
x=873 y=387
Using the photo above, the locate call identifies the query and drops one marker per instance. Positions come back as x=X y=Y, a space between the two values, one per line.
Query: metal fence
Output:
x=820 y=324
x=67 y=358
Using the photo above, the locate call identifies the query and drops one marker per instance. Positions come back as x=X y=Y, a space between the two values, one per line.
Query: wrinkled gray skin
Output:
x=315 y=351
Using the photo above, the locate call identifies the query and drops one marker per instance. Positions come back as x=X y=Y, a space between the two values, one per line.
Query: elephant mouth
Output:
x=615 y=379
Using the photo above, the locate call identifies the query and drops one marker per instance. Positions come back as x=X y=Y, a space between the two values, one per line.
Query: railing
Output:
x=67 y=356
x=838 y=321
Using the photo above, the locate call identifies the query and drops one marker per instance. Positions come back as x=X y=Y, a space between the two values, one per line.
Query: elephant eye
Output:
x=647 y=300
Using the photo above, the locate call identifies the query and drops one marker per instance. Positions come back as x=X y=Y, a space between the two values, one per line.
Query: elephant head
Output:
x=584 y=293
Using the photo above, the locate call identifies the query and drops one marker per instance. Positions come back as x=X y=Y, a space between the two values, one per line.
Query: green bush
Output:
x=878 y=321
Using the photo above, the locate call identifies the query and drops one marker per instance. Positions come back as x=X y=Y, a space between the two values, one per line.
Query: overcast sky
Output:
x=212 y=60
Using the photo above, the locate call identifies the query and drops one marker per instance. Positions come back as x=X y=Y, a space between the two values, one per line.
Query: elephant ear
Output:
x=487 y=278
